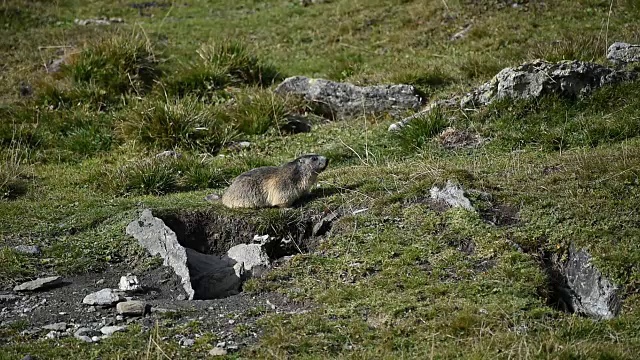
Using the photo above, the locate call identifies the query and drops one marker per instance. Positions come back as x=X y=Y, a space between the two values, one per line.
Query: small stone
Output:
x=231 y=322
x=110 y=330
x=95 y=338
x=169 y=154
x=221 y=344
x=217 y=351
x=212 y=198
x=133 y=308
x=119 y=317
x=39 y=284
x=244 y=144
x=186 y=342
x=52 y=335
x=27 y=249
x=452 y=195
x=9 y=298
x=61 y=326
x=129 y=283
x=100 y=282
x=104 y=297
x=181 y=297
x=28 y=357
x=84 y=338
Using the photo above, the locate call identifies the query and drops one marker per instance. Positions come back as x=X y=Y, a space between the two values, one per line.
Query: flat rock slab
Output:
x=39 y=284
x=110 y=330
x=343 y=100
x=132 y=308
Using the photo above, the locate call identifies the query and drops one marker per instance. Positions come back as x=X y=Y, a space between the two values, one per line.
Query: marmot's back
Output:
x=274 y=186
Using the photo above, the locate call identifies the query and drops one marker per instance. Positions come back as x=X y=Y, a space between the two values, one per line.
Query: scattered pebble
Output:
x=217 y=351
x=61 y=326
x=52 y=335
x=129 y=283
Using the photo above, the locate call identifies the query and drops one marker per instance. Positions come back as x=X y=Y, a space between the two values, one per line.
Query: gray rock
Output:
x=324 y=225
x=27 y=357
x=52 y=335
x=132 y=308
x=9 y=298
x=295 y=124
x=39 y=284
x=452 y=195
x=436 y=105
x=27 y=249
x=212 y=198
x=129 y=283
x=95 y=338
x=98 y=21
x=104 y=297
x=85 y=334
x=592 y=294
x=202 y=276
x=537 y=78
x=217 y=351
x=342 y=100
x=623 y=53
x=186 y=342
x=61 y=326
x=169 y=154
x=110 y=330
x=252 y=259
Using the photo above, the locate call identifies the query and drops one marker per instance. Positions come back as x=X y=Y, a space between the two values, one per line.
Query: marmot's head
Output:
x=317 y=163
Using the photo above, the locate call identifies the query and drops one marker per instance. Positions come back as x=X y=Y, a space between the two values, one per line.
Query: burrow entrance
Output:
x=217 y=243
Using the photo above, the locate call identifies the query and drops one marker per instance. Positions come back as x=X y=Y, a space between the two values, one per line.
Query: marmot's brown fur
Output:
x=271 y=186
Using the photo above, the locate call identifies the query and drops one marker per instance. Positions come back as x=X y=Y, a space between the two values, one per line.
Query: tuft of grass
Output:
x=119 y=64
x=571 y=47
x=257 y=110
x=554 y=123
x=169 y=123
x=420 y=131
x=219 y=64
x=161 y=176
x=13 y=171
x=103 y=73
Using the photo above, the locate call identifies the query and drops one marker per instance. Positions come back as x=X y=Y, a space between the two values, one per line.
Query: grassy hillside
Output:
x=400 y=280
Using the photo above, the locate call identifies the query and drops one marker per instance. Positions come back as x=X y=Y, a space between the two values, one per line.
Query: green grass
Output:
x=399 y=280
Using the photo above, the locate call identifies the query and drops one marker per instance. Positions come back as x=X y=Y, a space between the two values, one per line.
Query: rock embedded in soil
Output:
x=217 y=351
x=129 y=283
x=252 y=257
x=104 y=297
x=342 y=100
x=132 y=308
x=61 y=326
x=592 y=294
x=39 y=284
x=537 y=78
x=452 y=195
x=110 y=330
x=27 y=249
x=9 y=298
x=623 y=53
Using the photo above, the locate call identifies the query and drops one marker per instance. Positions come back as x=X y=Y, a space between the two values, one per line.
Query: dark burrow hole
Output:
x=209 y=235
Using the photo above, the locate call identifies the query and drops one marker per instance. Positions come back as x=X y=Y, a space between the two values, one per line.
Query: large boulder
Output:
x=623 y=53
x=202 y=276
x=537 y=78
x=342 y=100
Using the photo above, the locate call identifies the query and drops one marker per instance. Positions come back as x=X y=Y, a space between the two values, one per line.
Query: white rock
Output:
x=104 y=297
x=217 y=351
x=109 y=330
x=129 y=283
x=452 y=195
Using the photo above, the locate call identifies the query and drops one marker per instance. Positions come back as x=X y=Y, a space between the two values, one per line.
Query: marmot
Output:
x=271 y=186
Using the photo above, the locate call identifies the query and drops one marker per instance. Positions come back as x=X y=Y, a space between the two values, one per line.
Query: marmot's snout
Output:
x=317 y=162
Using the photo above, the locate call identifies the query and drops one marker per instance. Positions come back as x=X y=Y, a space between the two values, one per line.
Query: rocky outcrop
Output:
x=535 y=79
x=39 y=284
x=623 y=53
x=337 y=100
